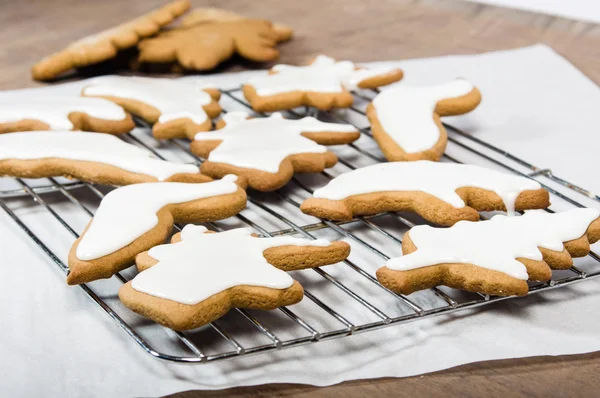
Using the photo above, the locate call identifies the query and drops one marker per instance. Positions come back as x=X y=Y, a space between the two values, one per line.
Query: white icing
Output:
x=54 y=111
x=174 y=99
x=203 y=264
x=128 y=212
x=324 y=75
x=263 y=143
x=438 y=179
x=497 y=243
x=406 y=113
x=92 y=147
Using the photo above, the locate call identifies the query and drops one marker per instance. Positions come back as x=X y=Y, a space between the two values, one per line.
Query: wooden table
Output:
x=361 y=31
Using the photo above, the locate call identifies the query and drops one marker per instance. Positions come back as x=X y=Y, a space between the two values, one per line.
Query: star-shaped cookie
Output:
x=267 y=151
x=200 y=275
x=323 y=84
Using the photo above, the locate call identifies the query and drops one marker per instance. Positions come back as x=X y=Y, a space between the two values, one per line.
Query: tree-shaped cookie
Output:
x=323 y=84
x=204 y=46
x=406 y=122
x=494 y=257
x=267 y=151
x=135 y=218
x=200 y=276
x=106 y=44
x=442 y=193
x=91 y=157
x=208 y=15
x=177 y=108
x=26 y=113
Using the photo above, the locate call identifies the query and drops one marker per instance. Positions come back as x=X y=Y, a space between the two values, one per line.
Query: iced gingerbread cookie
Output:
x=106 y=44
x=324 y=84
x=267 y=151
x=208 y=15
x=63 y=113
x=91 y=157
x=200 y=275
x=176 y=108
x=442 y=193
x=406 y=120
x=134 y=218
x=204 y=46
x=495 y=257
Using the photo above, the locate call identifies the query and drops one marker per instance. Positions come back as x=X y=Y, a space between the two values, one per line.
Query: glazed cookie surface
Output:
x=176 y=108
x=106 y=44
x=267 y=151
x=442 y=193
x=200 y=275
x=134 y=218
x=91 y=157
x=494 y=257
x=324 y=84
x=27 y=113
x=405 y=120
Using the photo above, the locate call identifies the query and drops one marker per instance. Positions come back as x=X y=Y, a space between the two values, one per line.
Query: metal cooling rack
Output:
x=340 y=300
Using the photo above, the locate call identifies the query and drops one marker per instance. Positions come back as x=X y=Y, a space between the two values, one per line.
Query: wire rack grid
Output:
x=340 y=300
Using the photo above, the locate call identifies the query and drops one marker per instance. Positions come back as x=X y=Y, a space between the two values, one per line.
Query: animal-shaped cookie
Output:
x=91 y=157
x=406 y=122
x=494 y=257
x=106 y=44
x=204 y=46
x=207 y=15
x=200 y=275
x=442 y=193
x=177 y=108
x=267 y=151
x=27 y=113
x=134 y=218
x=324 y=84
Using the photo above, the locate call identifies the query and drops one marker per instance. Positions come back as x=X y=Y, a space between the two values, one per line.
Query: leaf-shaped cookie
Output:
x=494 y=257
x=204 y=46
x=200 y=275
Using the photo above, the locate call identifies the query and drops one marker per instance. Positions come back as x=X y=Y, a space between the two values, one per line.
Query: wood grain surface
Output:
x=360 y=31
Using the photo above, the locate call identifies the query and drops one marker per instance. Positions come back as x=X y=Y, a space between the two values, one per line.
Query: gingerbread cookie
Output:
x=208 y=15
x=494 y=257
x=406 y=120
x=63 y=113
x=200 y=276
x=134 y=218
x=204 y=46
x=442 y=193
x=91 y=157
x=177 y=108
x=324 y=84
x=267 y=151
x=106 y=44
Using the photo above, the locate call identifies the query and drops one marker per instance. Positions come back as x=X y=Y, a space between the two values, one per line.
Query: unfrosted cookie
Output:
x=26 y=113
x=324 y=84
x=406 y=122
x=494 y=257
x=204 y=46
x=91 y=157
x=267 y=151
x=208 y=15
x=106 y=44
x=177 y=108
x=442 y=193
x=134 y=218
x=200 y=276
